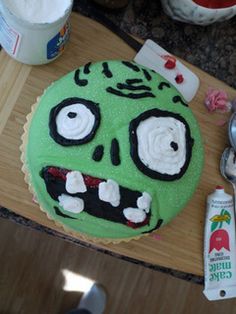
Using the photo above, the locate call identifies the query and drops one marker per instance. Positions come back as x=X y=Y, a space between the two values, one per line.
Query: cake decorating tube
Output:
x=220 y=247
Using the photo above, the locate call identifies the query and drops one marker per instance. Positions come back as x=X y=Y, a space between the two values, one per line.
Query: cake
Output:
x=111 y=151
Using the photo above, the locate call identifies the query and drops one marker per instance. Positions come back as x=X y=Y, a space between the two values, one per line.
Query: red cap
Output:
x=219 y=187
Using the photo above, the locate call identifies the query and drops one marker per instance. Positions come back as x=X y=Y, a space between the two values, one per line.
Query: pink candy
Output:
x=217 y=100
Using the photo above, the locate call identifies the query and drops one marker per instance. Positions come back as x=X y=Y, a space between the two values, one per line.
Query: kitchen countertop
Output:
x=209 y=48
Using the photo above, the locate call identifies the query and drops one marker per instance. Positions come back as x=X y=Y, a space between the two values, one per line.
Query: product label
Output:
x=219 y=247
x=57 y=44
x=219 y=244
x=9 y=38
x=219 y=240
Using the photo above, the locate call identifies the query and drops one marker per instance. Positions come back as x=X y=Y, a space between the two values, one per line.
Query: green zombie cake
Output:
x=112 y=151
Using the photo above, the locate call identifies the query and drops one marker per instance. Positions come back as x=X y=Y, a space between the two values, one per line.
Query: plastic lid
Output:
x=219 y=187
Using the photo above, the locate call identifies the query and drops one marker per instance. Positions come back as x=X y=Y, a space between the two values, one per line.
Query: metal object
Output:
x=228 y=168
x=232 y=130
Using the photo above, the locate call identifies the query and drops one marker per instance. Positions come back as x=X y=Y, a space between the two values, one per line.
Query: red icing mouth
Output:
x=137 y=225
x=215 y=4
x=60 y=173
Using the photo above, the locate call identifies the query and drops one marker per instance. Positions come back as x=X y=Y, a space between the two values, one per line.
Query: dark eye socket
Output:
x=161 y=144
x=74 y=121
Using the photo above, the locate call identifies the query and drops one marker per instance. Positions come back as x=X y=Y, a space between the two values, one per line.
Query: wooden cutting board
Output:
x=179 y=245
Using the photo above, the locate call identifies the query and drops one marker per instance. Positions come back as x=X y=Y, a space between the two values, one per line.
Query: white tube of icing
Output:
x=220 y=247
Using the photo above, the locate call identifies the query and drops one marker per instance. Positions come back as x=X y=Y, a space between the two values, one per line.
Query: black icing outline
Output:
x=177 y=99
x=134 y=144
x=93 y=107
x=98 y=153
x=133 y=87
x=132 y=66
x=163 y=84
x=106 y=71
x=147 y=75
x=60 y=213
x=87 y=68
x=133 y=81
x=158 y=225
x=115 y=152
x=79 y=81
x=129 y=95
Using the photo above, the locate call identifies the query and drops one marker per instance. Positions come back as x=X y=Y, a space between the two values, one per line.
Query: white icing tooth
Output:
x=135 y=215
x=75 y=182
x=144 y=202
x=109 y=192
x=71 y=204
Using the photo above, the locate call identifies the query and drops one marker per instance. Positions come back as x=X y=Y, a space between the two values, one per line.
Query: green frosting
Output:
x=168 y=197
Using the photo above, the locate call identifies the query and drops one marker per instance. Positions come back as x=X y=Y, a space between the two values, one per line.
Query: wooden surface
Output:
x=31 y=279
x=179 y=245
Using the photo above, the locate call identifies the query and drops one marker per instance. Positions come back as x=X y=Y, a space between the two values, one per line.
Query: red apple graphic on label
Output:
x=218 y=240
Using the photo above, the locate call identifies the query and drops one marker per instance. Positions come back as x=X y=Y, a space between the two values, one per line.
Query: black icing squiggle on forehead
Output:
x=122 y=89
x=177 y=99
x=163 y=85
x=132 y=66
x=106 y=71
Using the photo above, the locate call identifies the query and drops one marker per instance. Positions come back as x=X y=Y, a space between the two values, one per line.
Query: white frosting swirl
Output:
x=78 y=127
x=75 y=182
x=109 y=192
x=135 y=215
x=155 y=135
x=71 y=204
x=144 y=202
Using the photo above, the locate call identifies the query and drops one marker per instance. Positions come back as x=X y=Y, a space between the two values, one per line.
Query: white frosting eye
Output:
x=162 y=144
x=75 y=122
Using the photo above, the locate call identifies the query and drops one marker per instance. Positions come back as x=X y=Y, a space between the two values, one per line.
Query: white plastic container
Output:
x=220 y=247
x=33 y=43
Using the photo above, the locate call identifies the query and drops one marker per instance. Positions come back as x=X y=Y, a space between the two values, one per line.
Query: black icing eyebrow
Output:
x=87 y=68
x=131 y=66
x=79 y=81
x=106 y=71
x=163 y=84
x=129 y=86
x=129 y=95
x=177 y=99
x=134 y=81
x=147 y=75
x=132 y=87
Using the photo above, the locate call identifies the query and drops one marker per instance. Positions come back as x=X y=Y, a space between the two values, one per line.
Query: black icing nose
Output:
x=114 y=152
x=98 y=153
